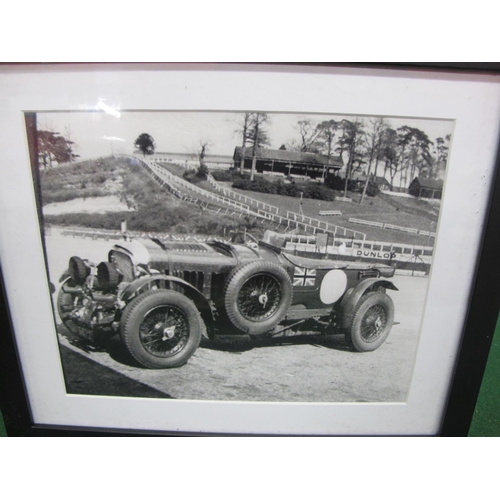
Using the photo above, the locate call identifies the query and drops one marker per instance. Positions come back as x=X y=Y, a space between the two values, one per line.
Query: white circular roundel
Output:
x=333 y=286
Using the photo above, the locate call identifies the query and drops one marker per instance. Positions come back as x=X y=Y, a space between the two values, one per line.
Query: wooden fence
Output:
x=247 y=199
x=366 y=222
x=174 y=181
x=392 y=227
x=325 y=226
x=330 y=212
x=257 y=209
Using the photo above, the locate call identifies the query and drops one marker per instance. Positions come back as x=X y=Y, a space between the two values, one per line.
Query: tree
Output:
x=414 y=153
x=292 y=145
x=384 y=138
x=204 y=145
x=54 y=148
x=257 y=136
x=244 y=132
x=390 y=154
x=351 y=141
x=326 y=133
x=252 y=134
x=69 y=144
x=404 y=138
x=441 y=156
x=202 y=172
x=374 y=140
x=309 y=134
x=145 y=144
x=420 y=155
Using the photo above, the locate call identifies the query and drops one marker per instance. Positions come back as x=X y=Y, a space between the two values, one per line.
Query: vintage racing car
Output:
x=163 y=296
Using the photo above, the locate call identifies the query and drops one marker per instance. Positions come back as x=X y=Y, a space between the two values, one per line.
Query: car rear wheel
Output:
x=372 y=322
x=257 y=296
x=161 y=328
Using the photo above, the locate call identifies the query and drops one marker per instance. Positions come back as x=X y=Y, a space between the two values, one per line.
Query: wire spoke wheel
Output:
x=373 y=323
x=161 y=328
x=259 y=297
x=164 y=331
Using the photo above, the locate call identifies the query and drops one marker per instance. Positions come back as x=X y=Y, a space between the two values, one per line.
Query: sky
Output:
x=101 y=133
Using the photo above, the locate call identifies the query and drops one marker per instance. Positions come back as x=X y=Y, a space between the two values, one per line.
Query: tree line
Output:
x=54 y=148
x=371 y=147
x=368 y=146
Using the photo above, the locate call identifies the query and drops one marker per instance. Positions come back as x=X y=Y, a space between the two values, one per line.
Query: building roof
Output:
x=429 y=183
x=283 y=155
x=381 y=180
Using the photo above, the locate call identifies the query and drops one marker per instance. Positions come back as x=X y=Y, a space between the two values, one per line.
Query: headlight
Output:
x=78 y=270
x=107 y=276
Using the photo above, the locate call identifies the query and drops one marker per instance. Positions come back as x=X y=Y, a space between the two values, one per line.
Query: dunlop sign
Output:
x=375 y=255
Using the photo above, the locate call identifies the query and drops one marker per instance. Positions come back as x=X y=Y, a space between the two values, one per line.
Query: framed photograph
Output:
x=248 y=250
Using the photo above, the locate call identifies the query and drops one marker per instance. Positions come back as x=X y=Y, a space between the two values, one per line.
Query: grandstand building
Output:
x=282 y=162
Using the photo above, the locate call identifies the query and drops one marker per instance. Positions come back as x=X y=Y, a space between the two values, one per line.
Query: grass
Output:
x=159 y=211
x=179 y=171
x=86 y=179
x=155 y=209
x=405 y=212
x=376 y=209
x=175 y=169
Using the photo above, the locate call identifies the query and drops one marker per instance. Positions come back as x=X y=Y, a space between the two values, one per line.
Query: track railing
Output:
x=176 y=182
x=247 y=199
x=326 y=226
x=366 y=222
x=393 y=227
x=292 y=221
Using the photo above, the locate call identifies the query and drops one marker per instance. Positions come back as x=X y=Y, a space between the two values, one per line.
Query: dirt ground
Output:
x=97 y=205
x=306 y=367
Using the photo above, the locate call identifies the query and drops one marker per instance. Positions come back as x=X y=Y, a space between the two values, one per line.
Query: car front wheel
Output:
x=161 y=328
x=372 y=322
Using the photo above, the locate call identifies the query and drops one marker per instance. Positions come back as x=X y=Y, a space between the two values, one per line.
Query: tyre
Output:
x=161 y=328
x=372 y=322
x=67 y=303
x=257 y=296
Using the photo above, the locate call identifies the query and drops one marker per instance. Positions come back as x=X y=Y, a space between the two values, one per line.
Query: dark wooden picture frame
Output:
x=475 y=344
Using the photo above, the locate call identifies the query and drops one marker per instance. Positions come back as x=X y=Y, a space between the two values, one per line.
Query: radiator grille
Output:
x=195 y=278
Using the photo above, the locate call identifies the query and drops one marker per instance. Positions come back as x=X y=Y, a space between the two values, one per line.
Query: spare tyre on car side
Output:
x=257 y=296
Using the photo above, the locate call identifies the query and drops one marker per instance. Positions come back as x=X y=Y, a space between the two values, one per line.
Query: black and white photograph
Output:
x=252 y=256
x=245 y=249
